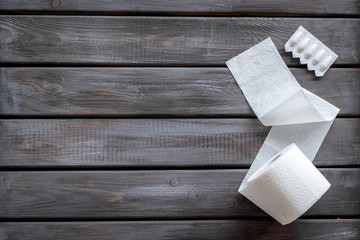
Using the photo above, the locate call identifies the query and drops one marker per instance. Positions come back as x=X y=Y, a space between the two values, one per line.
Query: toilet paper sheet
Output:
x=297 y=115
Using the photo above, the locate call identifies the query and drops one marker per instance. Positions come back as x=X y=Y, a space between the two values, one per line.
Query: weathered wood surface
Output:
x=155 y=91
x=161 y=40
x=48 y=71
x=196 y=230
x=156 y=142
x=153 y=194
x=348 y=7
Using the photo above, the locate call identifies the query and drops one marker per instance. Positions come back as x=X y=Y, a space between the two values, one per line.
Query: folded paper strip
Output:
x=298 y=117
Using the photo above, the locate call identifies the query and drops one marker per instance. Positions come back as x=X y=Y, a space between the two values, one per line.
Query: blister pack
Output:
x=311 y=51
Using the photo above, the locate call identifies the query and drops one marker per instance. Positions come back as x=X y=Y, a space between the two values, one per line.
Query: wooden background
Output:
x=120 y=120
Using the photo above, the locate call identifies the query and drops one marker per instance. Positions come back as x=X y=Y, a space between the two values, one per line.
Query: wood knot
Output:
x=55 y=3
x=230 y=204
x=173 y=182
x=233 y=200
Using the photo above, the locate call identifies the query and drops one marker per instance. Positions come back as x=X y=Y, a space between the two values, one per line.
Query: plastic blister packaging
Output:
x=311 y=51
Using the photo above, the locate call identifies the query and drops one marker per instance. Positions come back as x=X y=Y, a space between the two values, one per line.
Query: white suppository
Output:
x=298 y=117
x=311 y=51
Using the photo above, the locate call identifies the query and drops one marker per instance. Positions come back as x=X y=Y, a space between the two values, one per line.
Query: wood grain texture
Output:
x=153 y=194
x=344 y=7
x=192 y=230
x=161 y=40
x=133 y=145
x=156 y=143
x=152 y=91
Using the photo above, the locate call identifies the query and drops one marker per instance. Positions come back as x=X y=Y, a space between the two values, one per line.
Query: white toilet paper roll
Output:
x=297 y=116
x=286 y=186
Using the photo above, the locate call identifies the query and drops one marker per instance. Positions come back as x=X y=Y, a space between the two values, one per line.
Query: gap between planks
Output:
x=170 y=219
x=87 y=168
x=146 y=116
x=176 y=14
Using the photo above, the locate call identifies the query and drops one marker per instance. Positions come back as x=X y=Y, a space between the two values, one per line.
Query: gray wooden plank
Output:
x=153 y=194
x=155 y=143
x=344 y=7
x=161 y=40
x=318 y=229
x=155 y=91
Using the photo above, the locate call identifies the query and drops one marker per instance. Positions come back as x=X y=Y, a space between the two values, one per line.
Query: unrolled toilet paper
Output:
x=298 y=117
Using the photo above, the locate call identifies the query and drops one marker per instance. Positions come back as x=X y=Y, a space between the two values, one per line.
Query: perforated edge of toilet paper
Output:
x=297 y=115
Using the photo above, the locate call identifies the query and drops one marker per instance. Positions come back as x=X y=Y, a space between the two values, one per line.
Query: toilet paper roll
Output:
x=297 y=116
x=286 y=186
